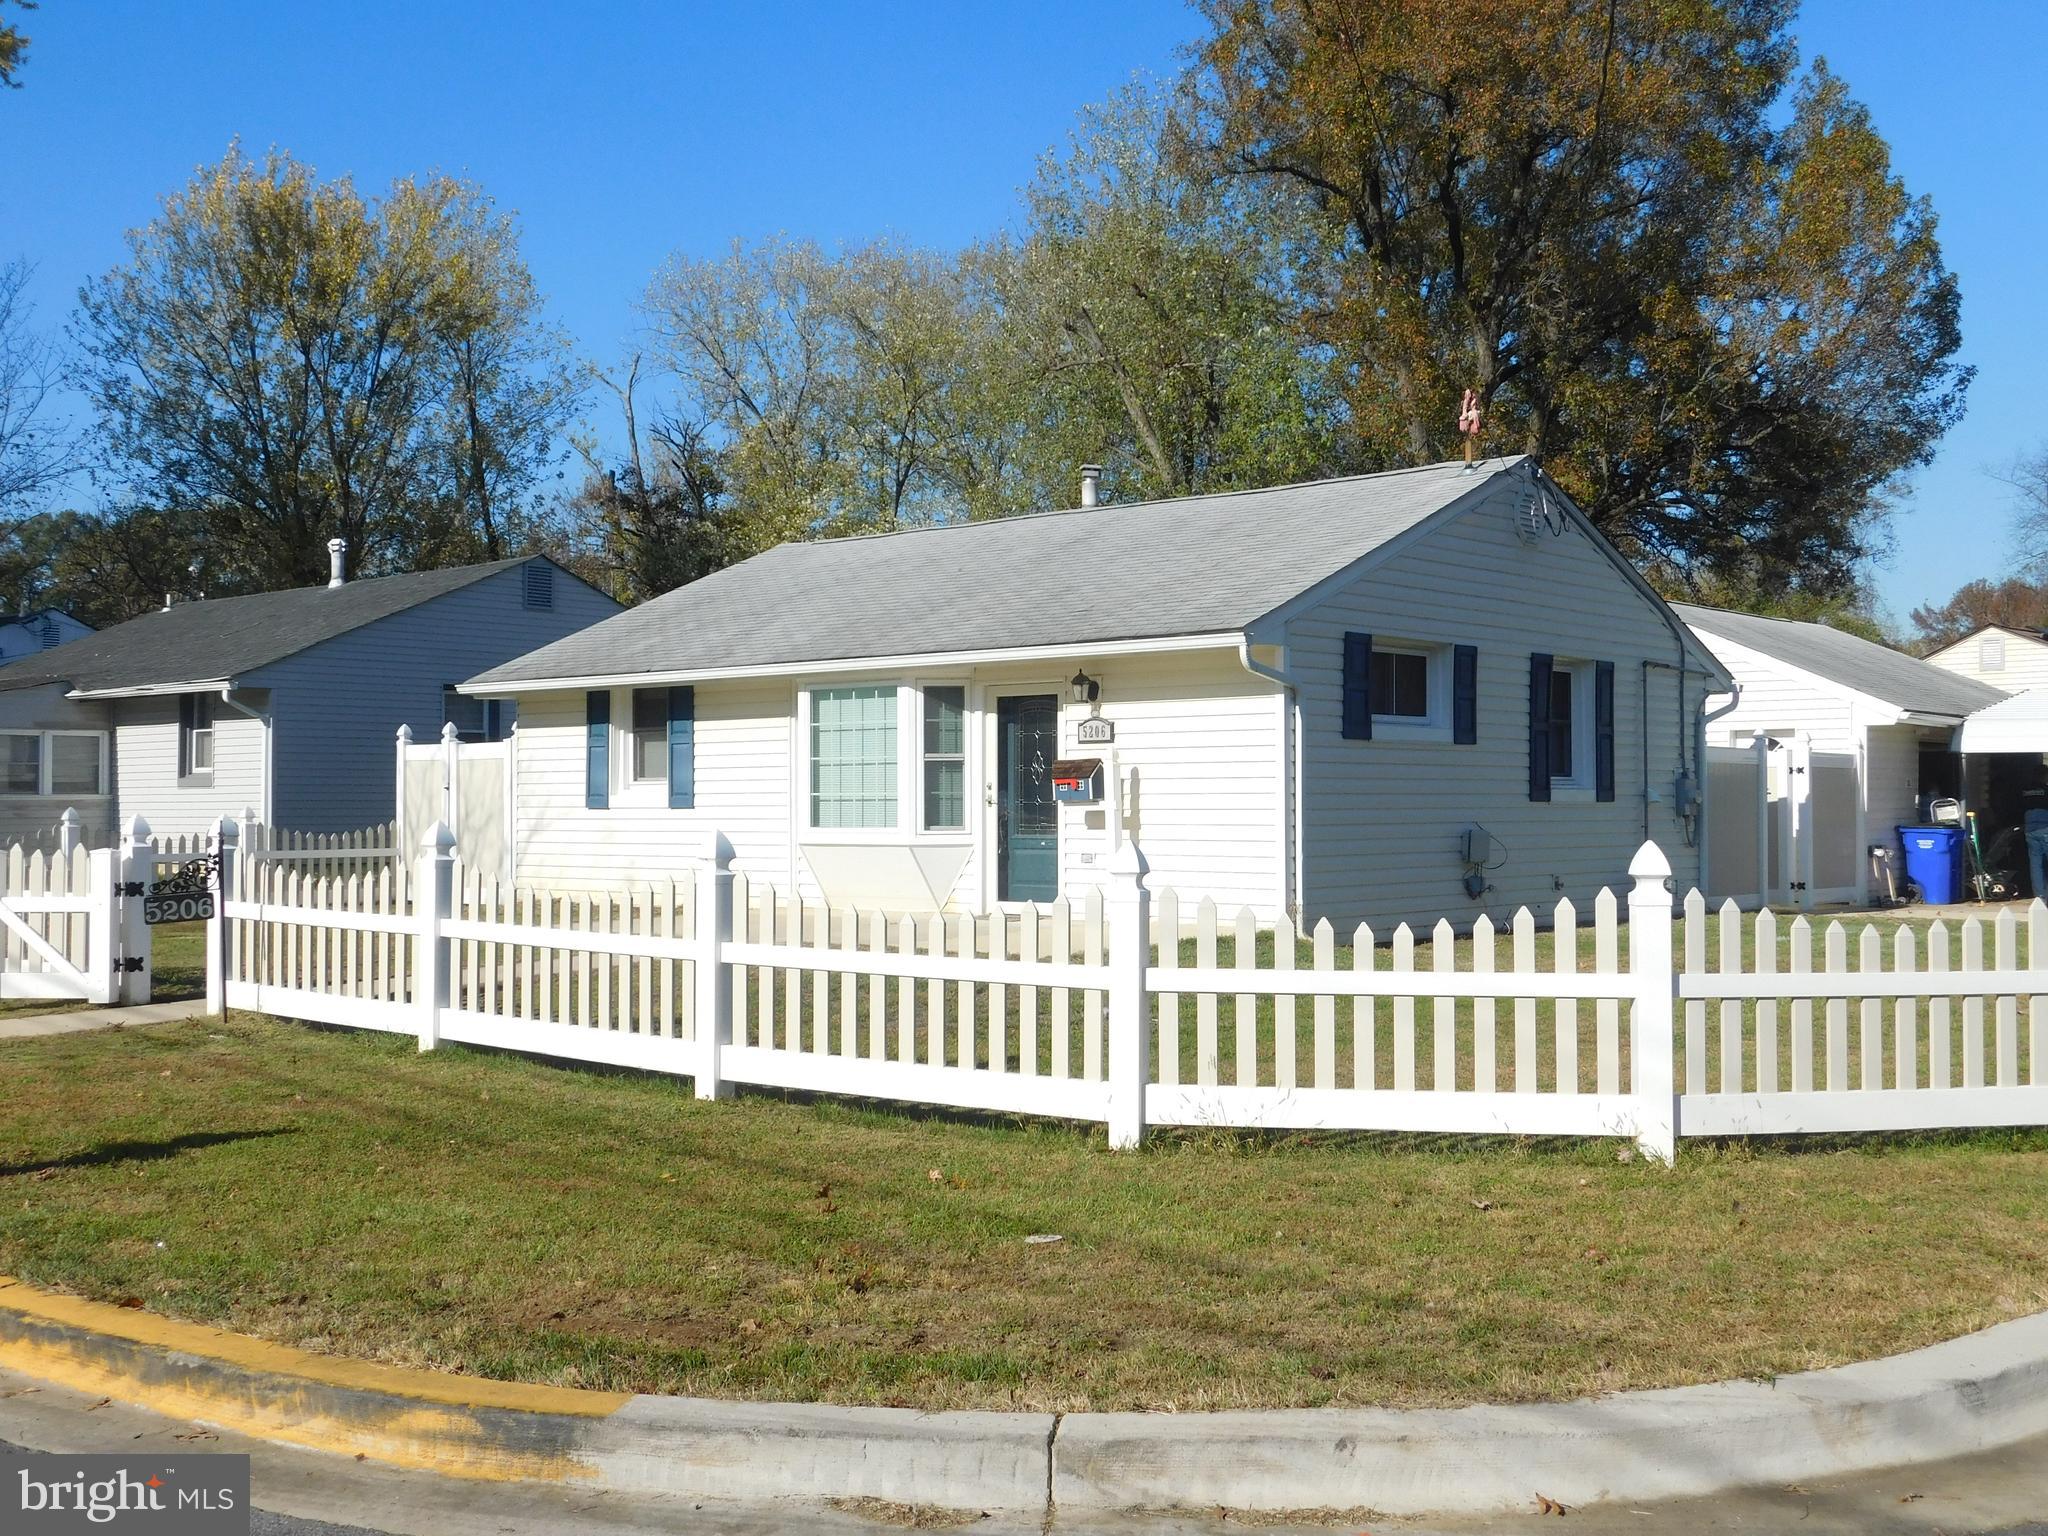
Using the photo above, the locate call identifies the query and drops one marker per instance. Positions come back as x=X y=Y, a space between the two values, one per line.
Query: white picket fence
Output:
x=1136 y=1012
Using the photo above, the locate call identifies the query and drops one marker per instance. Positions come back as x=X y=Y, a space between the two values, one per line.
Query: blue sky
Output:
x=626 y=131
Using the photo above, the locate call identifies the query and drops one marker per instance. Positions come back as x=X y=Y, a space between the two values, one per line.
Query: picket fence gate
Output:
x=1122 y=1008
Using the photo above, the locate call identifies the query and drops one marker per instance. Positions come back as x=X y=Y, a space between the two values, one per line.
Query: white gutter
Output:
x=227 y=697
x=828 y=668
x=1290 y=764
x=154 y=690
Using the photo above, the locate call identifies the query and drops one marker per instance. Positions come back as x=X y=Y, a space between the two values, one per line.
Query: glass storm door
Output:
x=1027 y=820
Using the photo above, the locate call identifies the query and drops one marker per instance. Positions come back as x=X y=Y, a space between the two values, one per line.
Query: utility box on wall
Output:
x=1077 y=780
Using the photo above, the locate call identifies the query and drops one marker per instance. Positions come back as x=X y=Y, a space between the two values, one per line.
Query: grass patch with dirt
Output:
x=509 y=1218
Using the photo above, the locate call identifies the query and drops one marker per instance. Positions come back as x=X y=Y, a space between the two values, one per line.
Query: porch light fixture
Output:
x=1084 y=689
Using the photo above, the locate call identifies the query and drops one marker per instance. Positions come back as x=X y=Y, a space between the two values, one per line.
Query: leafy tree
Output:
x=1723 y=333
x=297 y=362
x=34 y=455
x=13 y=46
x=1145 y=323
x=105 y=567
x=2017 y=601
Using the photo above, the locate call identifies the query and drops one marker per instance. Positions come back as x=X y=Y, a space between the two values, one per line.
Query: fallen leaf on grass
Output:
x=1549 y=1506
x=750 y=1325
x=134 y=1302
x=935 y=1176
x=1040 y=1238
x=1482 y=1205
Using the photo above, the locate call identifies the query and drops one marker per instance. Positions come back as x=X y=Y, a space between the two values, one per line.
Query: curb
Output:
x=1970 y=1394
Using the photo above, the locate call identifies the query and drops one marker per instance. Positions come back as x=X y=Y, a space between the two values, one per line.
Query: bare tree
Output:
x=34 y=453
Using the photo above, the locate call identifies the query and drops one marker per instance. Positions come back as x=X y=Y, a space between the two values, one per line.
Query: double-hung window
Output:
x=1564 y=689
x=1401 y=684
x=195 y=736
x=72 y=763
x=853 y=757
x=649 y=755
x=477 y=719
x=945 y=758
x=23 y=762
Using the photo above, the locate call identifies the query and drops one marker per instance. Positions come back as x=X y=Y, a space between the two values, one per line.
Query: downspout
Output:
x=1699 y=755
x=1292 y=880
x=227 y=697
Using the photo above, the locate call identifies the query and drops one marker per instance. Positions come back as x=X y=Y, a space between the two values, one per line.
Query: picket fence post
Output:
x=1654 y=992
x=1127 y=909
x=711 y=1014
x=136 y=867
x=70 y=831
x=102 y=920
x=226 y=837
x=398 y=795
x=434 y=890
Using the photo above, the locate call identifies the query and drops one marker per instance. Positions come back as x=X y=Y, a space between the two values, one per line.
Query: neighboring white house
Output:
x=2010 y=659
x=284 y=703
x=40 y=629
x=1434 y=692
x=1825 y=750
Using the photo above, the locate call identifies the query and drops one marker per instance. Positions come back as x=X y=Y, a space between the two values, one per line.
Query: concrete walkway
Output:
x=31 y=1026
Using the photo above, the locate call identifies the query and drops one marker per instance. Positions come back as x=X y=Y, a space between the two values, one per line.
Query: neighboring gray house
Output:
x=38 y=630
x=285 y=703
x=1432 y=692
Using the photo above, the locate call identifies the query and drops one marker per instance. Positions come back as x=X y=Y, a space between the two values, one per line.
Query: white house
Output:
x=2009 y=658
x=1826 y=748
x=284 y=703
x=1433 y=692
x=39 y=629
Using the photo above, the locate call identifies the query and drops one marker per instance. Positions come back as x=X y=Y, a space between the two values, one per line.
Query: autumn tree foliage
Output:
x=1724 y=334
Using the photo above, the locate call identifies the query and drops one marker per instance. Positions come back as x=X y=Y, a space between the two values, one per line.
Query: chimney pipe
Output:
x=1091 y=484
x=337 y=562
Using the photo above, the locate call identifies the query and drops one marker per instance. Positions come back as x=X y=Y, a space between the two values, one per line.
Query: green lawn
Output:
x=495 y=1215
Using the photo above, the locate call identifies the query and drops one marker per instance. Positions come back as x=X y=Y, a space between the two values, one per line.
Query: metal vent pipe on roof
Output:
x=1091 y=484
x=337 y=562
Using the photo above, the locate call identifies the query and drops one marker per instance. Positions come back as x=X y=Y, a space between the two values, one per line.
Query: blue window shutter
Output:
x=682 y=748
x=1465 y=695
x=1357 y=687
x=597 y=763
x=1603 y=730
x=1539 y=726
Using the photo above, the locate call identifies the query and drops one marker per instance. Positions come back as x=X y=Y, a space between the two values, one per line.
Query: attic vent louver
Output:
x=540 y=585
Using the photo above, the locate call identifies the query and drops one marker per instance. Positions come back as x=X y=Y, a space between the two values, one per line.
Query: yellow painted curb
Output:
x=464 y=1426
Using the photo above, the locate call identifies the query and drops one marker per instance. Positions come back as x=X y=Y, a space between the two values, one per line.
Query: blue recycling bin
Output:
x=1934 y=862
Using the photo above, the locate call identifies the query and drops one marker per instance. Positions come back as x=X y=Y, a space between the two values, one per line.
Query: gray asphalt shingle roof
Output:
x=228 y=637
x=1903 y=681
x=1149 y=570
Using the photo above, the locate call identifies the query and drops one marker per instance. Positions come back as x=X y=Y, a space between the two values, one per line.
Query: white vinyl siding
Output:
x=2024 y=659
x=40 y=712
x=149 y=778
x=743 y=776
x=1197 y=738
x=1383 y=818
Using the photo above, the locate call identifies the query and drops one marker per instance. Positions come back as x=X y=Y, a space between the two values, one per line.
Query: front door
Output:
x=1027 y=818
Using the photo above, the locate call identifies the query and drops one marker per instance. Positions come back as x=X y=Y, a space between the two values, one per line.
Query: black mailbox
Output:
x=1077 y=780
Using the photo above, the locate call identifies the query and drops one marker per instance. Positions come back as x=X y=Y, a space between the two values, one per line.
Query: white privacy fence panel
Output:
x=1850 y=1026
x=1135 y=1010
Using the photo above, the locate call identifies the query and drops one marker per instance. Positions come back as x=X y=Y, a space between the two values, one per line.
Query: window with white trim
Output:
x=648 y=760
x=69 y=763
x=945 y=758
x=77 y=763
x=195 y=737
x=1571 y=724
x=853 y=757
x=1400 y=683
